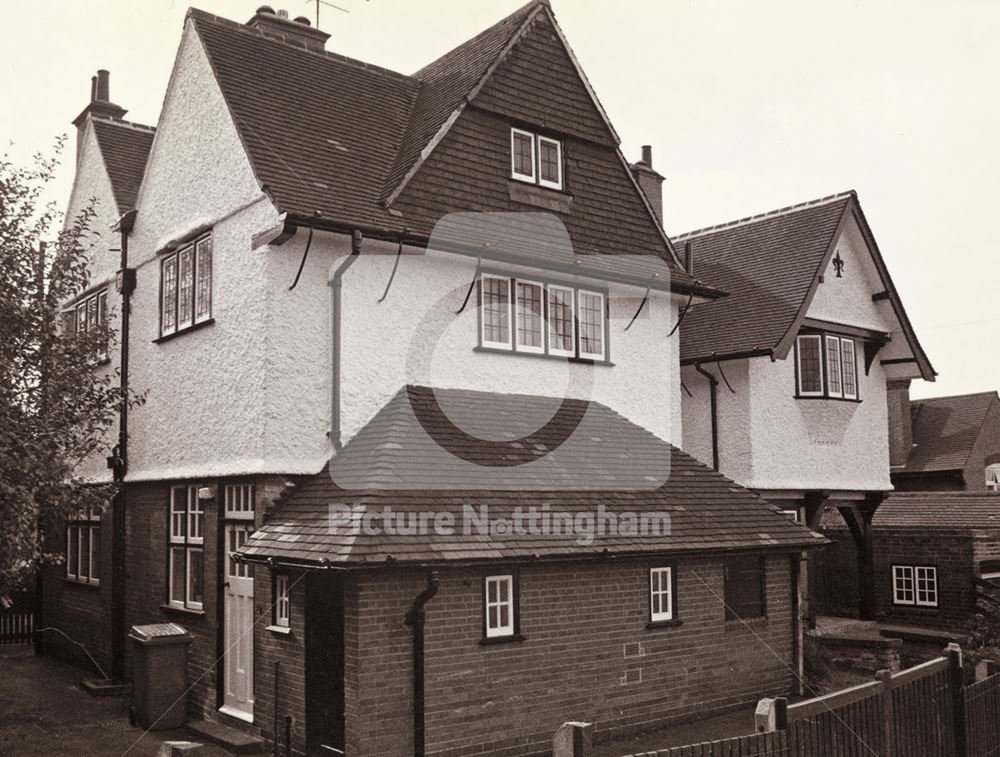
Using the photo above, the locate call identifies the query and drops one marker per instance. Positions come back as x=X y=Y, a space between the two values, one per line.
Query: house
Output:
x=408 y=467
x=932 y=552
x=948 y=443
x=786 y=381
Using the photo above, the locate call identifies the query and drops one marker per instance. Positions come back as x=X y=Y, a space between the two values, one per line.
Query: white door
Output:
x=238 y=610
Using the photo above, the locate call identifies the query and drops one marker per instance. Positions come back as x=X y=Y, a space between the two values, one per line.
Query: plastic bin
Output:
x=159 y=675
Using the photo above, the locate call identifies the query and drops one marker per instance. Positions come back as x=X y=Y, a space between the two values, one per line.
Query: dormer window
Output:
x=826 y=365
x=535 y=159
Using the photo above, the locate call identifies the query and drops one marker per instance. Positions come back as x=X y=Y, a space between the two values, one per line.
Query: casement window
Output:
x=536 y=159
x=499 y=606
x=744 y=587
x=83 y=548
x=993 y=477
x=538 y=318
x=186 y=569
x=186 y=286
x=826 y=366
x=792 y=514
x=89 y=314
x=914 y=585
x=282 y=601
x=661 y=594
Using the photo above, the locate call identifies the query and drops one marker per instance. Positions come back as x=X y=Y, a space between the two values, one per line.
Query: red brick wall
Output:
x=950 y=551
x=587 y=656
x=82 y=611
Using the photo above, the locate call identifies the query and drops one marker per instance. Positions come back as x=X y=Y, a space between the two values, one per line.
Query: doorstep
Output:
x=235 y=740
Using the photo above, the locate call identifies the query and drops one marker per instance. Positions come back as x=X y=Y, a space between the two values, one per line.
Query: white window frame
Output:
x=901 y=575
x=851 y=364
x=499 y=630
x=661 y=585
x=509 y=344
x=200 y=251
x=833 y=365
x=540 y=348
x=282 y=600
x=993 y=477
x=88 y=313
x=927 y=574
x=603 y=326
x=183 y=539
x=793 y=514
x=87 y=522
x=798 y=360
x=571 y=294
x=528 y=178
x=558 y=183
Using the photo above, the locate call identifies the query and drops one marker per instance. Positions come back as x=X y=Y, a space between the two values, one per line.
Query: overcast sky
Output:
x=749 y=106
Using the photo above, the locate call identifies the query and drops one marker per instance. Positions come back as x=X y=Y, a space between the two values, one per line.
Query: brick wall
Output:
x=81 y=611
x=950 y=551
x=834 y=573
x=587 y=655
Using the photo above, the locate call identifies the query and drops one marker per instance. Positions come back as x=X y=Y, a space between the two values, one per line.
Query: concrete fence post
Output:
x=884 y=677
x=985 y=669
x=573 y=739
x=771 y=715
x=954 y=652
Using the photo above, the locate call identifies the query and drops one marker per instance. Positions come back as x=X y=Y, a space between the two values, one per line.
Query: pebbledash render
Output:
x=358 y=291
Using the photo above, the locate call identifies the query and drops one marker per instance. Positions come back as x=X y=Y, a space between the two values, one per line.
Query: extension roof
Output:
x=770 y=265
x=945 y=430
x=410 y=457
x=331 y=135
x=944 y=510
x=125 y=147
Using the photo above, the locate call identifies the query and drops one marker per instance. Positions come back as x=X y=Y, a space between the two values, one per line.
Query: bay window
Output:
x=826 y=366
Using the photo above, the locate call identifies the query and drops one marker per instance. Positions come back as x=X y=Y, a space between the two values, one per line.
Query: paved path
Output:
x=44 y=713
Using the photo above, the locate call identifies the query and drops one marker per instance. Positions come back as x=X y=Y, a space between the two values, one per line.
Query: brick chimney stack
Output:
x=100 y=105
x=900 y=421
x=297 y=32
x=649 y=181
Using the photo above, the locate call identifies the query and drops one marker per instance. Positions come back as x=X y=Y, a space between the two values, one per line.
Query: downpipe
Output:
x=713 y=391
x=415 y=619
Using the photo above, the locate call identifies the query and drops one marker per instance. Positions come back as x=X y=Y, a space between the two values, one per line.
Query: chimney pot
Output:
x=93 y=88
x=266 y=9
x=282 y=13
x=303 y=20
x=103 y=86
x=647 y=155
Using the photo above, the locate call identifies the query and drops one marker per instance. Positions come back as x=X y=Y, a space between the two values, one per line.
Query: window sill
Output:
x=78 y=582
x=491 y=640
x=653 y=624
x=828 y=399
x=279 y=630
x=183 y=610
x=185 y=330
x=742 y=622
x=921 y=608
x=542 y=355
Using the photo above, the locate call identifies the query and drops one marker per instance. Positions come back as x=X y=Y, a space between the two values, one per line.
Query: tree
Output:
x=57 y=402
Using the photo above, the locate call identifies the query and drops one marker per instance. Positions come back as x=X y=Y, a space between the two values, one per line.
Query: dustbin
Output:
x=159 y=675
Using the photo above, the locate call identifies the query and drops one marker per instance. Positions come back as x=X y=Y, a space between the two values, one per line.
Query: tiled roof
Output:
x=939 y=510
x=770 y=265
x=767 y=264
x=945 y=429
x=437 y=450
x=328 y=134
x=125 y=147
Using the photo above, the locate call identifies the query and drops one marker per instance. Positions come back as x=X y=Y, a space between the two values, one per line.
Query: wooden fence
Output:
x=17 y=624
x=774 y=744
x=982 y=715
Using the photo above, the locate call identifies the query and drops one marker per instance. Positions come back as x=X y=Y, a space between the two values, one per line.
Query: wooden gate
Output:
x=17 y=623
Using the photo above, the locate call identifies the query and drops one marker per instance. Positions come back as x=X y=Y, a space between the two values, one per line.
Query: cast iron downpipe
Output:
x=713 y=384
x=336 y=327
x=415 y=620
x=126 y=283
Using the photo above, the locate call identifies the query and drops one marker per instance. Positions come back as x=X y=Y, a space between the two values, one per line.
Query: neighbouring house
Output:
x=932 y=553
x=786 y=380
x=947 y=443
x=357 y=290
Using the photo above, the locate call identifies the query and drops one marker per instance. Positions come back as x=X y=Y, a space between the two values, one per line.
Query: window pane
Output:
x=849 y=367
x=522 y=154
x=168 y=318
x=591 y=324
x=810 y=365
x=72 y=537
x=196 y=589
x=744 y=587
x=95 y=552
x=834 y=385
x=196 y=515
x=548 y=161
x=81 y=317
x=529 y=315
x=84 y=570
x=185 y=288
x=560 y=319
x=177 y=574
x=178 y=511
x=203 y=303
x=92 y=319
x=496 y=310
